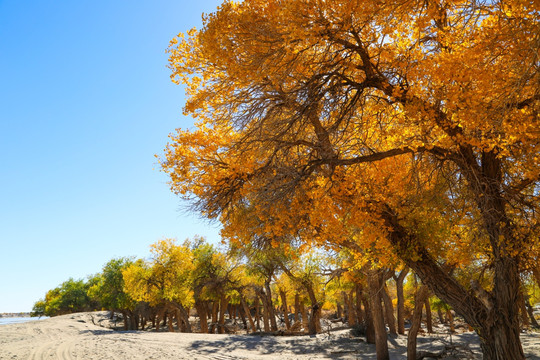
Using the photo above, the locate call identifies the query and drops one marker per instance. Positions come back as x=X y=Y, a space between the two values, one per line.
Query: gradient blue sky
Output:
x=85 y=103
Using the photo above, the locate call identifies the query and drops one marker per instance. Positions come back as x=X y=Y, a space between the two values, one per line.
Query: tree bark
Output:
x=201 y=311
x=305 y=322
x=370 y=328
x=530 y=311
x=381 y=340
x=351 y=313
x=429 y=322
x=401 y=300
x=421 y=295
x=248 y=314
x=314 y=325
x=358 y=310
x=389 y=310
x=222 y=307
x=496 y=323
x=283 y=296
x=523 y=311
x=271 y=313
x=296 y=307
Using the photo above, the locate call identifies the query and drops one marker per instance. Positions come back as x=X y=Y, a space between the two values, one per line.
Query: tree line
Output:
x=274 y=290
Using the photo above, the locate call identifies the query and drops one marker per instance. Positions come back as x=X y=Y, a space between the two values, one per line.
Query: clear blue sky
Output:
x=85 y=103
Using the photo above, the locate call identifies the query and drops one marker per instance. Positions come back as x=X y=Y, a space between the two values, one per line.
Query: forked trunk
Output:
x=401 y=300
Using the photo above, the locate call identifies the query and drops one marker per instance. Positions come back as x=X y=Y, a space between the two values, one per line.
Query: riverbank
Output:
x=85 y=336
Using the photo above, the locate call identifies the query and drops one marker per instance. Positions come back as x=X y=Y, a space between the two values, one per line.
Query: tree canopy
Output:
x=396 y=129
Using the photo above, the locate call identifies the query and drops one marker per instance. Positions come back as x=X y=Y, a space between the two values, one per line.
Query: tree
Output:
x=70 y=297
x=109 y=287
x=164 y=281
x=416 y=119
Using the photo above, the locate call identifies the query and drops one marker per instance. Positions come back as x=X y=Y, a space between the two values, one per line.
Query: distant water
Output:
x=17 y=320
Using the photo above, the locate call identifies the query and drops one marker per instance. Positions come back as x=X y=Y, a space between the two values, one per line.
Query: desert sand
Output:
x=84 y=336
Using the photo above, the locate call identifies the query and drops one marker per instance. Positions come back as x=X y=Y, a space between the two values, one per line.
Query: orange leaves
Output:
x=288 y=95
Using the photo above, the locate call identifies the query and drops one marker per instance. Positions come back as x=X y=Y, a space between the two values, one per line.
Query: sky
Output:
x=86 y=102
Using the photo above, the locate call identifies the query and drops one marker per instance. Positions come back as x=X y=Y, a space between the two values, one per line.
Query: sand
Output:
x=80 y=336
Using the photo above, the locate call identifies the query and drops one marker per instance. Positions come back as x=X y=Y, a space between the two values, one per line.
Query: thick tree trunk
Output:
x=497 y=320
x=370 y=327
x=315 y=316
x=421 y=295
x=339 y=311
x=381 y=340
x=201 y=311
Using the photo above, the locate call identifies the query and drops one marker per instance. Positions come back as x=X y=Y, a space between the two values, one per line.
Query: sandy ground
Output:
x=79 y=336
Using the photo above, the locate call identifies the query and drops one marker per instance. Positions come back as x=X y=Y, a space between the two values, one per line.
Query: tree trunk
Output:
x=381 y=340
x=351 y=316
x=215 y=309
x=451 y=320
x=421 y=295
x=523 y=311
x=496 y=320
x=440 y=315
x=370 y=328
x=201 y=311
x=257 y=312
x=126 y=323
x=305 y=322
x=429 y=322
x=339 y=311
x=266 y=314
x=389 y=310
x=183 y=316
x=296 y=307
x=530 y=311
x=271 y=313
x=315 y=318
x=222 y=307
x=358 y=309
x=283 y=296
x=248 y=314
x=401 y=300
